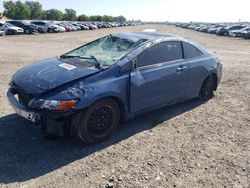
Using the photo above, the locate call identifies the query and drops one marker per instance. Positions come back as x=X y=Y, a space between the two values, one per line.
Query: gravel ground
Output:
x=191 y=144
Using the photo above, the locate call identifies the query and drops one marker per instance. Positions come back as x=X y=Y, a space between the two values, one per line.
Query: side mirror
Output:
x=134 y=64
x=131 y=66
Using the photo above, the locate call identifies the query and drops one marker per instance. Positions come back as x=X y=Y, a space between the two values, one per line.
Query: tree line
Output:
x=32 y=10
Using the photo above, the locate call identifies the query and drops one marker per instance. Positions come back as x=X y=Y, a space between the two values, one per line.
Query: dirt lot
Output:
x=191 y=144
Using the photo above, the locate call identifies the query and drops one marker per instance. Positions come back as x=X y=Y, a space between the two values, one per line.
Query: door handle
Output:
x=181 y=68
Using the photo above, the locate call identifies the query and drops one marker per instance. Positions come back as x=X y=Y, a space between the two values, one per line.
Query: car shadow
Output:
x=25 y=154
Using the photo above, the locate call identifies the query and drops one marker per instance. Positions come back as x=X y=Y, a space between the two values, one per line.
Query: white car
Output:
x=11 y=29
x=48 y=26
x=239 y=32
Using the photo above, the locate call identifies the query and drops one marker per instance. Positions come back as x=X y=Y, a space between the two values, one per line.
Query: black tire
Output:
x=226 y=33
x=10 y=32
x=99 y=121
x=27 y=31
x=207 y=89
x=50 y=30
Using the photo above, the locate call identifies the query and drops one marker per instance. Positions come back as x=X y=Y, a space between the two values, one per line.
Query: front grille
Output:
x=23 y=97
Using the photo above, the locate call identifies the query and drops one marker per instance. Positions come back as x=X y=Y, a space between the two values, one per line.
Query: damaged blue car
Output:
x=88 y=91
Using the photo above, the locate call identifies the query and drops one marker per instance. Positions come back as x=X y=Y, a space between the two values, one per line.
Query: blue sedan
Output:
x=88 y=91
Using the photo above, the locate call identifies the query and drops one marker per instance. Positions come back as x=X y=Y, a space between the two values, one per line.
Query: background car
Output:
x=88 y=91
x=2 y=32
x=224 y=31
x=83 y=27
x=214 y=29
x=246 y=34
x=11 y=29
x=48 y=26
x=90 y=25
x=239 y=33
x=28 y=28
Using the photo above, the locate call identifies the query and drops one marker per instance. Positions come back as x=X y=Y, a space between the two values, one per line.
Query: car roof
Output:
x=135 y=36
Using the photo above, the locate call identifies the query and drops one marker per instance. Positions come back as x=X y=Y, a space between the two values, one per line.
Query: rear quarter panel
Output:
x=201 y=68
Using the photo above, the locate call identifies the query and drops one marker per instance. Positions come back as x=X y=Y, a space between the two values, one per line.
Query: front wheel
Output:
x=207 y=89
x=10 y=32
x=226 y=33
x=99 y=121
x=27 y=31
x=50 y=30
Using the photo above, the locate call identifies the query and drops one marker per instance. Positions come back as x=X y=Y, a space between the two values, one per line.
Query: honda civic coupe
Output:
x=88 y=91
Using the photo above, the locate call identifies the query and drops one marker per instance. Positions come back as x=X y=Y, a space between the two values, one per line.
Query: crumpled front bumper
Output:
x=20 y=109
x=54 y=123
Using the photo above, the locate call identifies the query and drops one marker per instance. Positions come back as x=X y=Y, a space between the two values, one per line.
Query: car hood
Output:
x=15 y=28
x=45 y=75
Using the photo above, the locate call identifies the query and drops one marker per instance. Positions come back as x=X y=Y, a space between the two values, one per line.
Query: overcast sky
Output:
x=158 y=10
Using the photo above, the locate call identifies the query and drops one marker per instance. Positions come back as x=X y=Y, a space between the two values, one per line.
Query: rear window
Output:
x=190 y=51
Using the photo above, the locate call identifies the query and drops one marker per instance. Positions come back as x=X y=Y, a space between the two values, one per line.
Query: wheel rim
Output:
x=208 y=89
x=100 y=121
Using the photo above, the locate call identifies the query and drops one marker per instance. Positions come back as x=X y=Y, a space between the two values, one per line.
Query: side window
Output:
x=163 y=52
x=40 y=23
x=17 y=24
x=190 y=51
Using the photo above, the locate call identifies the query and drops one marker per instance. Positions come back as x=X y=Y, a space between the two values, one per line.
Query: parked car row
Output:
x=232 y=30
x=13 y=27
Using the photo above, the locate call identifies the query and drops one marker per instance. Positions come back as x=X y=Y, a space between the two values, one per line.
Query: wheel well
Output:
x=215 y=77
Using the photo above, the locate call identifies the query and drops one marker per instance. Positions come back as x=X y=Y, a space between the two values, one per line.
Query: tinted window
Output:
x=40 y=23
x=16 y=23
x=190 y=51
x=163 y=52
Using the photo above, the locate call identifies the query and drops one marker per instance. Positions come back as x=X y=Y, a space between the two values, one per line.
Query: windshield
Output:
x=8 y=24
x=25 y=22
x=107 y=51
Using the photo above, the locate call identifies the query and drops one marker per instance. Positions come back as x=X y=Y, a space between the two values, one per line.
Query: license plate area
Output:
x=27 y=115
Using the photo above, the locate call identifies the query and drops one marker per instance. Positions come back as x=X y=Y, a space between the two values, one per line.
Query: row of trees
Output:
x=32 y=10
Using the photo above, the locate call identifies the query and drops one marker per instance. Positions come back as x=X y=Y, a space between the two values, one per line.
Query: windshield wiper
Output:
x=78 y=56
x=98 y=65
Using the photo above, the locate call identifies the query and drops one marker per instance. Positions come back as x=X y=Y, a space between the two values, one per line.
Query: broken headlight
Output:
x=53 y=104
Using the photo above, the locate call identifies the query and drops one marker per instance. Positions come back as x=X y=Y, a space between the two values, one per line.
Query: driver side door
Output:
x=161 y=77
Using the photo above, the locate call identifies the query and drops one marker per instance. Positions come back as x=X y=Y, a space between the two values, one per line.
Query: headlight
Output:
x=53 y=104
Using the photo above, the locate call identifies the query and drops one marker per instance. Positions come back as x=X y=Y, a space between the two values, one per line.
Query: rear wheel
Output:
x=99 y=121
x=207 y=89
